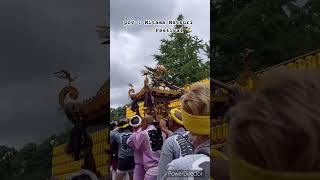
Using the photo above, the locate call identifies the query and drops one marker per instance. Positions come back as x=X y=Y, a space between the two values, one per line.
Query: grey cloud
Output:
x=126 y=68
x=37 y=39
x=201 y=19
x=139 y=10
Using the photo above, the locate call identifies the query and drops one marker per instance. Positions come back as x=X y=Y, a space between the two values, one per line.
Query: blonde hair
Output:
x=277 y=126
x=197 y=100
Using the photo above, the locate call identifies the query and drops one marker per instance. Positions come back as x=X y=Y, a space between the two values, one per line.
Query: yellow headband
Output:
x=241 y=170
x=173 y=116
x=199 y=125
x=123 y=126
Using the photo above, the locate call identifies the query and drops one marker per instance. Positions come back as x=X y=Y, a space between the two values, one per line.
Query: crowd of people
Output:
x=273 y=134
x=150 y=148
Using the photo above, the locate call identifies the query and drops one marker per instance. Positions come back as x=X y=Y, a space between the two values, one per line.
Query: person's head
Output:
x=123 y=125
x=146 y=121
x=135 y=122
x=112 y=126
x=175 y=120
x=125 y=120
x=277 y=126
x=195 y=108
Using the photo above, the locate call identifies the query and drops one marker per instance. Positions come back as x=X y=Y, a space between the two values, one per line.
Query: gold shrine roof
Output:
x=159 y=92
x=172 y=104
x=130 y=113
x=92 y=110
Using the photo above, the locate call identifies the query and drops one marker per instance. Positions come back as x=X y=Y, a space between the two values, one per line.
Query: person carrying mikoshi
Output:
x=139 y=172
x=125 y=153
x=149 y=141
x=113 y=153
x=195 y=110
x=177 y=145
x=274 y=132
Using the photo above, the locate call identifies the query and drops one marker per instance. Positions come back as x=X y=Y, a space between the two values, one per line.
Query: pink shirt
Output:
x=149 y=144
x=137 y=153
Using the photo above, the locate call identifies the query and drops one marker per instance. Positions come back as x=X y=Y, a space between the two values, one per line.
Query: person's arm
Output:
x=165 y=129
x=167 y=132
x=136 y=140
x=165 y=158
x=112 y=137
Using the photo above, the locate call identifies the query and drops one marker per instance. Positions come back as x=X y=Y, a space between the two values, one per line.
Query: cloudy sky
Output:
x=39 y=38
x=132 y=47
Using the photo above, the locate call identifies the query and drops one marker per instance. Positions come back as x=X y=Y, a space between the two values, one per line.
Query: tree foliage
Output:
x=31 y=162
x=180 y=55
x=277 y=30
x=117 y=114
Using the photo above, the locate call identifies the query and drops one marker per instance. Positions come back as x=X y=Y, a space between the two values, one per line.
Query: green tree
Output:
x=114 y=115
x=6 y=156
x=277 y=30
x=118 y=113
x=180 y=54
x=32 y=161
